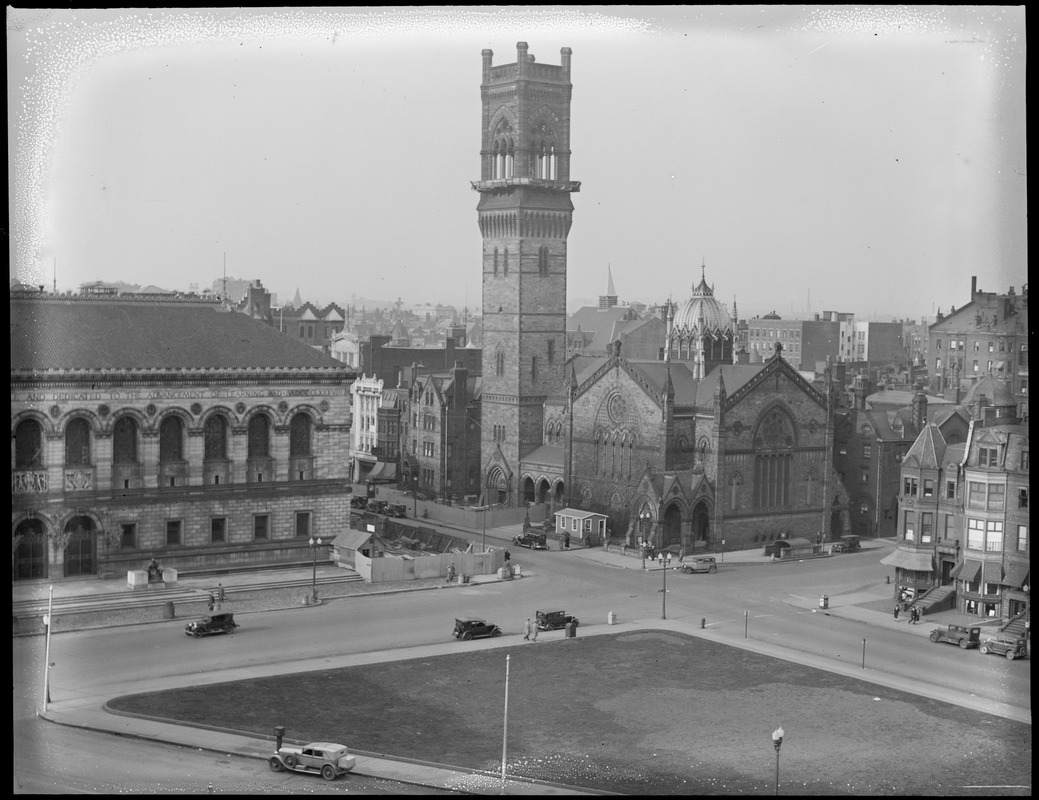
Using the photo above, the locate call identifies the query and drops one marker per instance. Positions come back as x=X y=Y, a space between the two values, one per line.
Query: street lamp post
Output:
x=644 y=518
x=665 y=563
x=414 y=495
x=314 y=545
x=484 y=515
x=777 y=740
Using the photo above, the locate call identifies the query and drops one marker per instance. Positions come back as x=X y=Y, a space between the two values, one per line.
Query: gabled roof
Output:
x=71 y=333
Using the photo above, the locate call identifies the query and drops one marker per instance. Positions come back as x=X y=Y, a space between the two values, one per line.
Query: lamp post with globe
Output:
x=777 y=740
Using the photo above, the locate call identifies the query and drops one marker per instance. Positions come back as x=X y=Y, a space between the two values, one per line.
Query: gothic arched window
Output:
x=543 y=261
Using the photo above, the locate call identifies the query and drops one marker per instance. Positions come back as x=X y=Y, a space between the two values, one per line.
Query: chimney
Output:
x=973 y=286
x=919 y=411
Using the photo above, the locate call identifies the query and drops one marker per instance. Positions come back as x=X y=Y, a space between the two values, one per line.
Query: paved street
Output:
x=589 y=582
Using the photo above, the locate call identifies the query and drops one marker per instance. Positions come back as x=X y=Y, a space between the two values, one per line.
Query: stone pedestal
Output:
x=137 y=579
x=169 y=576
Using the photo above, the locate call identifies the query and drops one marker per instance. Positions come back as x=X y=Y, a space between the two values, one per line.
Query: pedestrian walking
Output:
x=681 y=555
x=526 y=630
x=451 y=573
x=220 y=595
x=896 y=612
x=916 y=615
x=534 y=632
x=566 y=541
x=212 y=601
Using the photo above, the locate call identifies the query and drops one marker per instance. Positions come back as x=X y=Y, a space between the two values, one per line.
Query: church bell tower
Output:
x=525 y=215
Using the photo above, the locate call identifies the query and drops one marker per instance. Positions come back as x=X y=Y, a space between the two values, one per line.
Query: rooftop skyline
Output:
x=868 y=159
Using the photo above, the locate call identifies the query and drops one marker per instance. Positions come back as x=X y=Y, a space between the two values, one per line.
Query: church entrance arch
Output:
x=497 y=487
x=81 y=551
x=30 y=554
x=701 y=524
x=528 y=489
x=671 y=532
x=543 y=491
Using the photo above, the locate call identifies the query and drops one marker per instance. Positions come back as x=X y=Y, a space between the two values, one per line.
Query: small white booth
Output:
x=585 y=527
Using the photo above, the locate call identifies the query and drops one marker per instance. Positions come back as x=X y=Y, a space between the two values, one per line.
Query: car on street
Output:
x=957 y=634
x=699 y=564
x=327 y=759
x=359 y=501
x=474 y=629
x=847 y=544
x=554 y=620
x=398 y=510
x=217 y=623
x=535 y=541
x=1010 y=646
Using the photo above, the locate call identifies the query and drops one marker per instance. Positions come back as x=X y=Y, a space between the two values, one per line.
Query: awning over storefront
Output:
x=907 y=559
x=967 y=571
x=383 y=472
x=1017 y=576
x=992 y=572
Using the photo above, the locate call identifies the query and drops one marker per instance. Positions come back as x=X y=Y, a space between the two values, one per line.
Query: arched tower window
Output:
x=259 y=437
x=499 y=363
x=299 y=435
x=124 y=441
x=495 y=262
x=171 y=440
x=77 y=442
x=505 y=264
x=543 y=261
x=215 y=438
x=28 y=445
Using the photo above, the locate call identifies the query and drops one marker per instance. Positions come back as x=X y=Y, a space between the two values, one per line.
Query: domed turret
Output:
x=701 y=330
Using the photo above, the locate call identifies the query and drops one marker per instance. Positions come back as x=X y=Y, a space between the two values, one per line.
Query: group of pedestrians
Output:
x=914 y=614
x=530 y=631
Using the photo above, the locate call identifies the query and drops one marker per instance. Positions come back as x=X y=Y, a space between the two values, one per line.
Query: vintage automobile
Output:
x=474 y=629
x=847 y=544
x=554 y=620
x=1010 y=646
x=359 y=501
x=957 y=634
x=326 y=759
x=699 y=564
x=379 y=506
x=535 y=541
x=217 y=623
x=398 y=510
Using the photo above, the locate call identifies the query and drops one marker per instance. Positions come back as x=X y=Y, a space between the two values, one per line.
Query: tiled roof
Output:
x=928 y=449
x=70 y=333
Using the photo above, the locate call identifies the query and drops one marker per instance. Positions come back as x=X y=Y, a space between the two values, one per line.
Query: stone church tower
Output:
x=525 y=215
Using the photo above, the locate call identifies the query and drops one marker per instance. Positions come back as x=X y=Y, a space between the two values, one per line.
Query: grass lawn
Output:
x=636 y=713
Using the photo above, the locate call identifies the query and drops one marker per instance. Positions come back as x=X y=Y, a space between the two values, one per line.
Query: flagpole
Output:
x=505 y=730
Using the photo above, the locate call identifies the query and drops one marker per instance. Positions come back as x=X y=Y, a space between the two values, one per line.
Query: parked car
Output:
x=699 y=564
x=359 y=501
x=398 y=510
x=378 y=506
x=474 y=629
x=554 y=620
x=847 y=544
x=1010 y=646
x=535 y=541
x=957 y=634
x=326 y=759
x=217 y=623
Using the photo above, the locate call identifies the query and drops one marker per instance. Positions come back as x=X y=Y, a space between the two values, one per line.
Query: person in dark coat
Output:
x=896 y=613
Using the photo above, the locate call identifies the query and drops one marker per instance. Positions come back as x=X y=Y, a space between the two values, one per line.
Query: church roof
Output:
x=702 y=313
x=71 y=333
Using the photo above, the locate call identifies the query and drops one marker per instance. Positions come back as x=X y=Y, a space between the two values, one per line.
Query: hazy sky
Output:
x=866 y=159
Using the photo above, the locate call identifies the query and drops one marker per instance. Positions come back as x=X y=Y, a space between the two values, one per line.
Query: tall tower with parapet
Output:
x=525 y=215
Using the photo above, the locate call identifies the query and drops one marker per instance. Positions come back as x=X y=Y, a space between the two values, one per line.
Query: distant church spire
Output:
x=608 y=300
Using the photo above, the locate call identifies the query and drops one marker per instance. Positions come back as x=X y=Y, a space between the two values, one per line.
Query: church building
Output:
x=688 y=448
